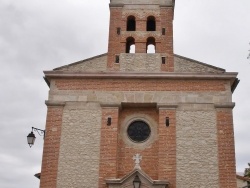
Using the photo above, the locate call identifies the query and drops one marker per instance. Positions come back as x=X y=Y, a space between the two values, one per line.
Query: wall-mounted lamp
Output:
x=109 y=121
x=31 y=137
x=137 y=182
x=167 y=121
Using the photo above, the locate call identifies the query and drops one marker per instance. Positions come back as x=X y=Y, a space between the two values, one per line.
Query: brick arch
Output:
x=131 y=23
x=151 y=23
x=151 y=41
x=129 y=42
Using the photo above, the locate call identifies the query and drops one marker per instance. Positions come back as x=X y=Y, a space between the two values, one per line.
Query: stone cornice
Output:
x=116 y=5
x=140 y=75
x=55 y=103
x=166 y=106
x=165 y=3
x=225 y=105
x=111 y=105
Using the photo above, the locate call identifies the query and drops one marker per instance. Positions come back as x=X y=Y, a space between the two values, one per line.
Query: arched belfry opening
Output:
x=130 y=45
x=151 y=25
x=151 y=45
x=131 y=23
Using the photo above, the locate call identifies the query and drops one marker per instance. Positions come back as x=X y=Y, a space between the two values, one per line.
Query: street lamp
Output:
x=31 y=137
x=137 y=182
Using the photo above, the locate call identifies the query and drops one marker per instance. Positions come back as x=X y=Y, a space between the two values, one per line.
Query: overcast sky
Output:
x=37 y=35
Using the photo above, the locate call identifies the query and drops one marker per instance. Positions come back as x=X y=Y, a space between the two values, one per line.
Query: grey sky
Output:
x=41 y=35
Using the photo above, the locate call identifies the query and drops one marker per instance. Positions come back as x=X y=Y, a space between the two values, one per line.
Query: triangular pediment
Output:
x=93 y=64
x=99 y=64
x=127 y=181
x=184 y=64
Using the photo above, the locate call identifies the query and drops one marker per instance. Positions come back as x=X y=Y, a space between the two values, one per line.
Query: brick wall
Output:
x=125 y=153
x=108 y=147
x=139 y=84
x=167 y=146
x=163 y=42
x=114 y=46
x=227 y=169
x=167 y=40
x=159 y=157
x=51 y=147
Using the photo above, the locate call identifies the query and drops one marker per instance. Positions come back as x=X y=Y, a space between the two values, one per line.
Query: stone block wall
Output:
x=95 y=64
x=197 y=150
x=140 y=62
x=78 y=164
x=182 y=64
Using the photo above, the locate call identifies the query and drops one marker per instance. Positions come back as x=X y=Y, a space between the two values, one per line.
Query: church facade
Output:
x=138 y=118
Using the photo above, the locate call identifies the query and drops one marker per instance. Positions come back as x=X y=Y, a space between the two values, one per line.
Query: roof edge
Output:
x=199 y=62
x=170 y=75
x=242 y=178
x=81 y=61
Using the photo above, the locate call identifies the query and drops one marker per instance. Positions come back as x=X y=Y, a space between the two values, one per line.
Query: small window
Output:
x=163 y=60
x=163 y=31
x=118 y=31
x=130 y=45
x=131 y=24
x=151 y=25
x=117 y=59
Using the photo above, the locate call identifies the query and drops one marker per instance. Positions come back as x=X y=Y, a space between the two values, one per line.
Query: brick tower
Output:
x=139 y=114
x=141 y=23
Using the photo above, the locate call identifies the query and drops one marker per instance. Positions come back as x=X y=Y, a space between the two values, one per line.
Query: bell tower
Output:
x=143 y=28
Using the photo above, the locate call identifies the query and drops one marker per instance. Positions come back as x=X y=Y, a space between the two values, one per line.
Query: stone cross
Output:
x=137 y=158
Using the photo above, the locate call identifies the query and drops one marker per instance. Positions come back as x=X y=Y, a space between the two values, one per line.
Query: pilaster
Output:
x=51 y=145
x=167 y=144
x=108 y=145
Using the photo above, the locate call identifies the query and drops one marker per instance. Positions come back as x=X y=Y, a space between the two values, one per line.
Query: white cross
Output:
x=137 y=158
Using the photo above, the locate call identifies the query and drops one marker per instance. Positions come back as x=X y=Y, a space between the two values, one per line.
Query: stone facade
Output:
x=182 y=64
x=95 y=64
x=140 y=63
x=80 y=145
x=187 y=105
x=197 y=150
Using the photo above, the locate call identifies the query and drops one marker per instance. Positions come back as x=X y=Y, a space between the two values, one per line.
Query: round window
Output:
x=138 y=131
